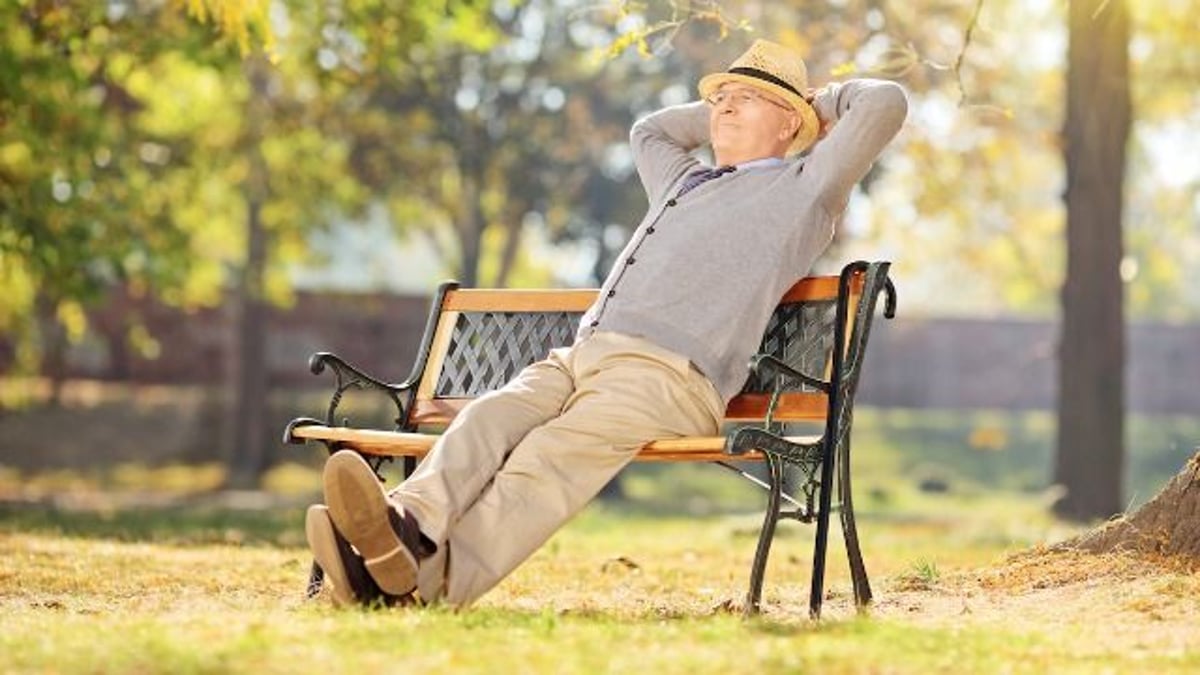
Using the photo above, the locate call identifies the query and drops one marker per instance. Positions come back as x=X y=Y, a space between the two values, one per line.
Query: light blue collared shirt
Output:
x=764 y=163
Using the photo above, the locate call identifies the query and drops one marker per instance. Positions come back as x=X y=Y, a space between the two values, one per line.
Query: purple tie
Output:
x=700 y=175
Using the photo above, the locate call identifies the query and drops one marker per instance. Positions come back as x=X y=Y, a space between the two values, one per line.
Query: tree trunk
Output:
x=54 y=346
x=1089 y=462
x=471 y=241
x=1169 y=524
x=249 y=454
x=248 y=376
x=472 y=167
x=513 y=229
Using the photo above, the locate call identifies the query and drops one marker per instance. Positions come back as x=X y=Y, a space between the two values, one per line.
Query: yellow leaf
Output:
x=844 y=69
x=73 y=319
x=16 y=160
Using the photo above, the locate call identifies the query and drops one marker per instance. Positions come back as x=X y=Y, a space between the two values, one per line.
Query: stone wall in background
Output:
x=1006 y=364
x=1010 y=364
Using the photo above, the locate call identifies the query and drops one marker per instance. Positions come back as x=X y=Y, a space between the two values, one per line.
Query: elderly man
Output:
x=659 y=354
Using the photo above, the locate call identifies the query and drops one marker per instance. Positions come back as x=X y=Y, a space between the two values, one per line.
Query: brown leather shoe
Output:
x=372 y=523
x=342 y=566
x=345 y=573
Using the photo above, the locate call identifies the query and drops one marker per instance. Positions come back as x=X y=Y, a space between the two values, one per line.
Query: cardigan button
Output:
x=671 y=202
x=650 y=230
x=595 y=323
x=611 y=293
x=629 y=261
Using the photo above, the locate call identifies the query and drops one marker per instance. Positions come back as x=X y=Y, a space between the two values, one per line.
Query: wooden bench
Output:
x=476 y=340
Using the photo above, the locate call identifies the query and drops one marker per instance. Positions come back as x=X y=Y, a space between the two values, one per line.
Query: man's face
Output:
x=747 y=123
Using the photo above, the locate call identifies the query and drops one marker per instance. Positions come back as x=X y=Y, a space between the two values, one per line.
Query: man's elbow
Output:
x=643 y=131
x=892 y=101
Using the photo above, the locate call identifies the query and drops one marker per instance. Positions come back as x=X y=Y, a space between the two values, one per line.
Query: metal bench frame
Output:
x=477 y=340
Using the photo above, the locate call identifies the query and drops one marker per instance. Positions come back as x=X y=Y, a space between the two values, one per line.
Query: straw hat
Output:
x=777 y=69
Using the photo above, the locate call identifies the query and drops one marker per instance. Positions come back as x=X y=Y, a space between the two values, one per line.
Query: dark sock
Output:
x=410 y=533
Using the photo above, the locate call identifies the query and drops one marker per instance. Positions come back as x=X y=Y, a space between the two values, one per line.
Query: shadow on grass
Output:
x=175 y=524
x=548 y=618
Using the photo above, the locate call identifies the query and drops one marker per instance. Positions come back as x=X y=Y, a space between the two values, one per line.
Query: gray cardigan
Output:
x=703 y=273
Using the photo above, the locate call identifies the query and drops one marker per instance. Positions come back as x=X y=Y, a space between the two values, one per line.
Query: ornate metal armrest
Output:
x=347 y=376
x=889 y=302
x=767 y=367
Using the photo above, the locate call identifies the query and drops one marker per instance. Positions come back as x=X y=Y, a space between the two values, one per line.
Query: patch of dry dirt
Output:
x=1117 y=601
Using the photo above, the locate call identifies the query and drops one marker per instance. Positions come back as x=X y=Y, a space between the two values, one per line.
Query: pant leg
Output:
x=627 y=394
x=467 y=455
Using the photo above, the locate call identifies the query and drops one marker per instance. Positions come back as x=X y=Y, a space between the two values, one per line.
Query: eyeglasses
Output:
x=741 y=97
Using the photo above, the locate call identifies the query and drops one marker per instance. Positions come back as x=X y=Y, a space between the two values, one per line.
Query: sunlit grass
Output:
x=165 y=591
x=142 y=567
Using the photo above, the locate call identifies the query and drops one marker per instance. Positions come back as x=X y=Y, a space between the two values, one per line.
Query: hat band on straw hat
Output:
x=764 y=75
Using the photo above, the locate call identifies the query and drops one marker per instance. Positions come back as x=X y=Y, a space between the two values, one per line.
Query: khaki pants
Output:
x=519 y=462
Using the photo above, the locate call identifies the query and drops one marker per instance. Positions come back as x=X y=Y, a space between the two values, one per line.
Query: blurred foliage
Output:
x=245 y=20
x=970 y=197
x=87 y=195
x=468 y=147
x=972 y=200
x=133 y=134
x=136 y=135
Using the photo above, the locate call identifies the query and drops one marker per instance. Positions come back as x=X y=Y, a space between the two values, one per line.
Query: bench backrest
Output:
x=476 y=340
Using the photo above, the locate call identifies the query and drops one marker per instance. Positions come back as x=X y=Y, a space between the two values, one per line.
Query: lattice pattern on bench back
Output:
x=801 y=335
x=487 y=349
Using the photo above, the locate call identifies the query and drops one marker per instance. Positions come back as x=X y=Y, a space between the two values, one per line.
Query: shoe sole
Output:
x=359 y=510
x=322 y=539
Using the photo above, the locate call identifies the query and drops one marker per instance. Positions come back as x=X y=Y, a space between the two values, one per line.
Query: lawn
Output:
x=142 y=569
x=208 y=586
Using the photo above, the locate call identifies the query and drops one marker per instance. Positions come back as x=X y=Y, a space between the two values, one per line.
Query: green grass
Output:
x=133 y=569
x=492 y=640
x=168 y=590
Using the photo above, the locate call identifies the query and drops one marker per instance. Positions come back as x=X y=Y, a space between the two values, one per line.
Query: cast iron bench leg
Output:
x=816 y=596
x=766 y=535
x=316 y=576
x=858 y=571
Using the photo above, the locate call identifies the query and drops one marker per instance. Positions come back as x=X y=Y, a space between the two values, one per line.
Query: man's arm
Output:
x=662 y=144
x=860 y=117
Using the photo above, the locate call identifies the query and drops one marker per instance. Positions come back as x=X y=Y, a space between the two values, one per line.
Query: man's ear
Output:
x=791 y=127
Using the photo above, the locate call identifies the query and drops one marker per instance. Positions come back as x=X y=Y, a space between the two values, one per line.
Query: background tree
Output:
x=1091 y=429
x=295 y=145
x=470 y=144
x=90 y=195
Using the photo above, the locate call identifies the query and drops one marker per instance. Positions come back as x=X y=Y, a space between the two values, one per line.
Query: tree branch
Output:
x=958 y=62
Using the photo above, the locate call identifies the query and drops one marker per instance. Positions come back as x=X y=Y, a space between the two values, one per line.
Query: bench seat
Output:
x=404 y=444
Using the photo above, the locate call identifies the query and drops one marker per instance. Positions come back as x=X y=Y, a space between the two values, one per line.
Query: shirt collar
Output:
x=764 y=163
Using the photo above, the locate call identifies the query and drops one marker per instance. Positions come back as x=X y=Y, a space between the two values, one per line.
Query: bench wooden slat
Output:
x=810 y=289
x=437 y=355
x=579 y=300
x=401 y=444
x=518 y=300
x=792 y=407
x=390 y=443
